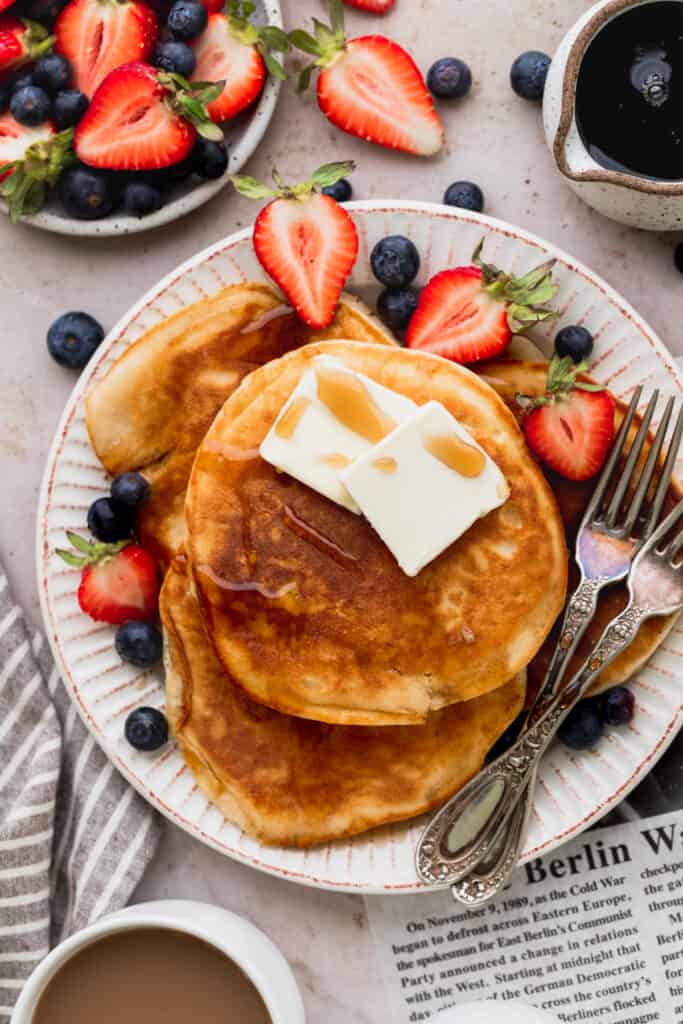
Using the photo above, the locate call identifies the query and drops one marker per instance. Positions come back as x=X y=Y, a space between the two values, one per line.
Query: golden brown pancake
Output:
x=158 y=400
x=293 y=782
x=528 y=378
x=306 y=607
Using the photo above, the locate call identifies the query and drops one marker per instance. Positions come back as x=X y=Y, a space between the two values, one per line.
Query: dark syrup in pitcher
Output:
x=629 y=99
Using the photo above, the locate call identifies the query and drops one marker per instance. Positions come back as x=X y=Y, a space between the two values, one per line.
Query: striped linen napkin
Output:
x=75 y=838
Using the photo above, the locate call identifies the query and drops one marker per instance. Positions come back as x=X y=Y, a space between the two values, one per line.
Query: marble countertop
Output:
x=494 y=139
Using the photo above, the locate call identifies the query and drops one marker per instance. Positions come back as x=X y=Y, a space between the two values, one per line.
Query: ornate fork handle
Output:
x=578 y=614
x=456 y=843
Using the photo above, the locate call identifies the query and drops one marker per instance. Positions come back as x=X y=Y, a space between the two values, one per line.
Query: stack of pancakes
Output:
x=315 y=690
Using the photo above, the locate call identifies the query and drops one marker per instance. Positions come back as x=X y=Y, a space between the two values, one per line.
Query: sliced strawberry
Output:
x=97 y=36
x=371 y=87
x=119 y=581
x=139 y=120
x=21 y=41
x=372 y=6
x=6 y=4
x=306 y=241
x=221 y=55
x=571 y=427
x=470 y=313
x=213 y=6
x=31 y=161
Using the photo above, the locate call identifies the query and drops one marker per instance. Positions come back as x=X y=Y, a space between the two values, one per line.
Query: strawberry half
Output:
x=97 y=36
x=31 y=161
x=370 y=87
x=119 y=581
x=141 y=119
x=6 y=4
x=470 y=313
x=372 y=6
x=233 y=50
x=571 y=427
x=21 y=41
x=305 y=240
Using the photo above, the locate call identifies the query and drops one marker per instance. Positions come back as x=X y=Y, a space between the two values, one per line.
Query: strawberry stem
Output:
x=326 y=43
x=267 y=40
x=36 y=40
x=190 y=99
x=328 y=174
x=526 y=297
x=90 y=552
x=29 y=179
x=562 y=379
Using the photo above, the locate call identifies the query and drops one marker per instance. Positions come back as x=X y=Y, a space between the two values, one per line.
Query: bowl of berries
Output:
x=121 y=115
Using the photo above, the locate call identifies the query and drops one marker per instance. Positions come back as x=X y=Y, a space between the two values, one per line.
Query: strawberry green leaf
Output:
x=305 y=78
x=250 y=188
x=303 y=41
x=273 y=66
x=275 y=38
x=80 y=543
x=330 y=174
x=75 y=561
x=209 y=130
x=337 y=17
x=31 y=177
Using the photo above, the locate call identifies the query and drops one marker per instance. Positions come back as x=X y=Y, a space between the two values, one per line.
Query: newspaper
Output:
x=590 y=932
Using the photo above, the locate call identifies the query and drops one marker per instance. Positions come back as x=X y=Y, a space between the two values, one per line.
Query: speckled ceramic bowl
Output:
x=242 y=136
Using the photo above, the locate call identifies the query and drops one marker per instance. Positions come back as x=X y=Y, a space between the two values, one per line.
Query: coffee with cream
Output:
x=151 y=974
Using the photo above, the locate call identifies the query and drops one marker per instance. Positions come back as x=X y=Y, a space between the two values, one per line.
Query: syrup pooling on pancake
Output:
x=294 y=782
x=369 y=646
x=156 y=403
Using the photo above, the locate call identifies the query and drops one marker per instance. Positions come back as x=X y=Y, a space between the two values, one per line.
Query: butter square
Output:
x=417 y=503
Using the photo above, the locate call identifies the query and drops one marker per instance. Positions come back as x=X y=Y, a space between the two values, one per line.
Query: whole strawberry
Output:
x=471 y=313
x=232 y=49
x=372 y=6
x=305 y=240
x=142 y=119
x=31 y=161
x=570 y=427
x=370 y=87
x=21 y=41
x=119 y=582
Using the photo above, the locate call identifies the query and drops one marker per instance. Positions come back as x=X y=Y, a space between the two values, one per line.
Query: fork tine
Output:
x=665 y=478
x=613 y=461
x=631 y=462
x=648 y=470
x=660 y=533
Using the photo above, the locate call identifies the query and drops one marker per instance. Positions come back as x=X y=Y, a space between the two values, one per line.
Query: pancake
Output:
x=306 y=607
x=292 y=782
x=528 y=378
x=157 y=401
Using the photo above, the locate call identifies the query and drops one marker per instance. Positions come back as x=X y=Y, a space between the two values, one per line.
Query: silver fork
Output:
x=655 y=585
x=474 y=827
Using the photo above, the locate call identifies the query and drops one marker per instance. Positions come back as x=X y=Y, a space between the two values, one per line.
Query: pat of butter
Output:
x=407 y=488
x=309 y=441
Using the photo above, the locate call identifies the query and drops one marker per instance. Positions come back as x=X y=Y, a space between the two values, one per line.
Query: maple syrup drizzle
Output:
x=335 y=460
x=266 y=318
x=231 y=453
x=289 y=420
x=456 y=454
x=240 y=586
x=349 y=400
x=386 y=465
x=318 y=540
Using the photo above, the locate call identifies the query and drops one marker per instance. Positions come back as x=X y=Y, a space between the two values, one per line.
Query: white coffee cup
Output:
x=240 y=941
x=493 y=1012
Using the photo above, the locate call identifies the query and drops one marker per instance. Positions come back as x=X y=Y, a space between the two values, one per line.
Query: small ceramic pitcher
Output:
x=639 y=202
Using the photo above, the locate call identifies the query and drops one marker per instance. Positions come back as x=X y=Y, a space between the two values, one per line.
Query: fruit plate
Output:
x=575 y=789
x=242 y=135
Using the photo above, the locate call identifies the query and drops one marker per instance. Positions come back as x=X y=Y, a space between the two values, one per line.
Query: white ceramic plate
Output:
x=575 y=789
x=242 y=135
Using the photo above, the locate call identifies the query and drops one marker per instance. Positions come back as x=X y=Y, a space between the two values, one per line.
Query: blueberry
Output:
x=86 y=194
x=108 y=521
x=21 y=80
x=146 y=729
x=30 y=106
x=528 y=74
x=466 y=195
x=68 y=108
x=583 y=726
x=52 y=73
x=187 y=19
x=139 y=643
x=396 y=306
x=449 y=78
x=210 y=159
x=141 y=198
x=130 y=489
x=678 y=257
x=395 y=261
x=175 y=57
x=618 y=706
x=575 y=342
x=341 y=190
x=72 y=339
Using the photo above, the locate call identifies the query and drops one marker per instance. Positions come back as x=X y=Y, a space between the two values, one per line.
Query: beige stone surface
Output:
x=495 y=139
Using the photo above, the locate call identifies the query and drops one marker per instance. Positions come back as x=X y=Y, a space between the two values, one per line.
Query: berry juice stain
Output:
x=629 y=98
